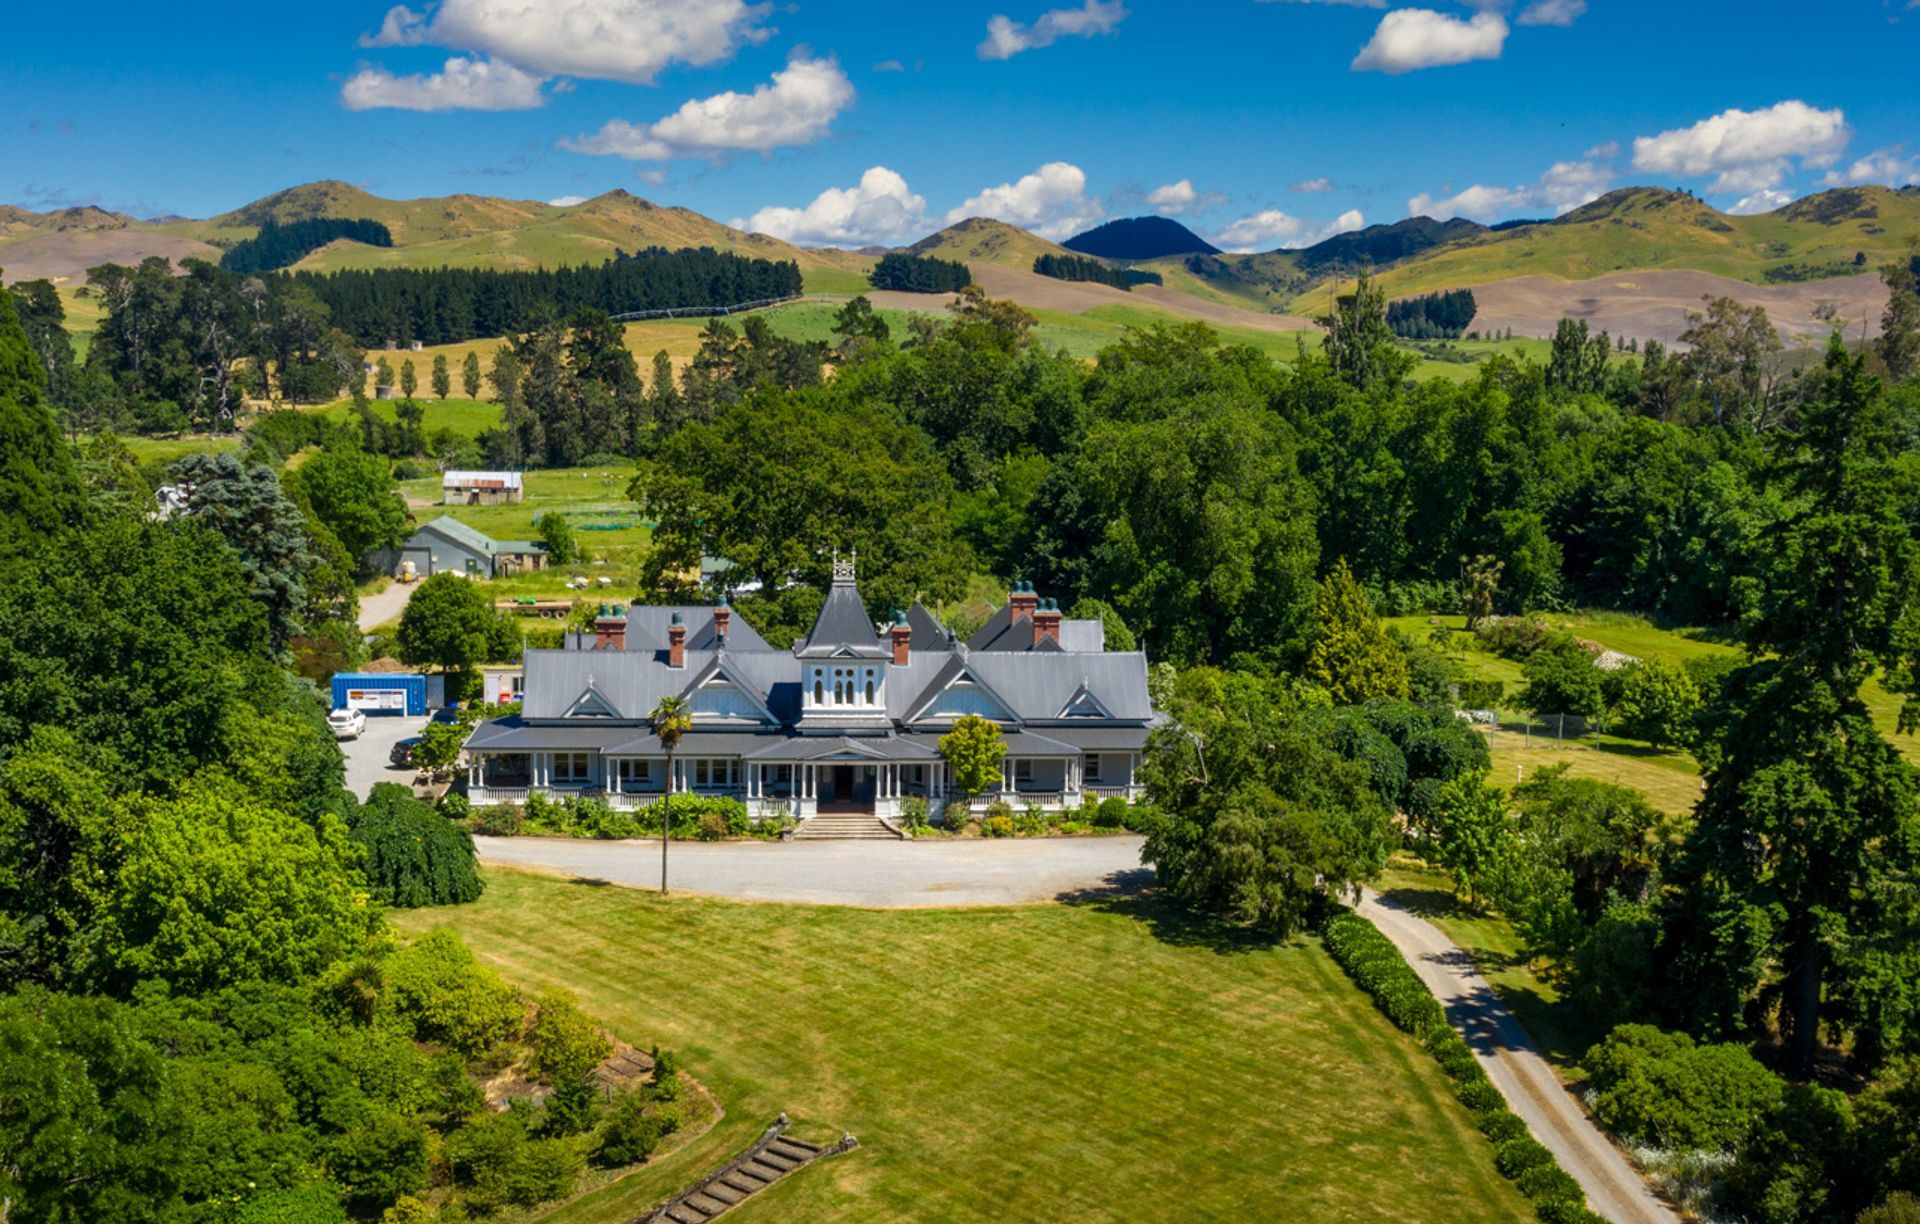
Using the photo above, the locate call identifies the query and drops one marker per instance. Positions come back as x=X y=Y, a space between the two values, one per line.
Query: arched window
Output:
x=869 y=688
x=819 y=690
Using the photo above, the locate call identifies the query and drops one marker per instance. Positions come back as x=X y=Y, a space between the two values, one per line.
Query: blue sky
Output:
x=1258 y=123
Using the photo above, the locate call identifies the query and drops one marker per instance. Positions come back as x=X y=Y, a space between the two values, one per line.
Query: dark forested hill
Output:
x=1131 y=238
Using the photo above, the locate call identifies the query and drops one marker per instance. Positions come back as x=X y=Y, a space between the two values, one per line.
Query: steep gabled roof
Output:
x=1003 y=632
x=843 y=627
x=720 y=668
x=928 y=632
x=958 y=669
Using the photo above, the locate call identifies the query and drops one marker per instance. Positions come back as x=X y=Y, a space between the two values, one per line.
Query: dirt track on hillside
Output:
x=68 y=254
x=1653 y=304
x=1077 y=297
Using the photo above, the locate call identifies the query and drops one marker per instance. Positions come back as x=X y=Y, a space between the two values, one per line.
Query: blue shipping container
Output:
x=396 y=693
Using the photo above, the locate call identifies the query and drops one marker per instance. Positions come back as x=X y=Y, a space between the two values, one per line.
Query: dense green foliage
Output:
x=352 y=494
x=381 y=306
x=919 y=274
x=1433 y=316
x=39 y=486
x=1353 y=658
x=1080 y=268
x=281 y=246
x=1132 y=238
x=451 y=625
x=1257 y=816
x=411 y=854
x=973 y=751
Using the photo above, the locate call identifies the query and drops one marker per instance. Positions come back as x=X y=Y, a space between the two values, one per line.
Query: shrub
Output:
x=1111 y=814
x=1512 y=637
x=411 y=854
x=545 y=815
x=377 y=1161
x=1501 y=1125
x=1656 y=1087
x=1900 y=1208
x=1566 y=1211
x=1479 y=1095
x=567 y=1044
x=713 y=826
x=1031 y=823
x=455 y=807
x=500 y=820
x=495 y=1164
x=446 y=995
x=632 y=1131
x=913 y=813
x=1516 y=1156
x=957 y=816
x=997 y=826
x=774 y=825
x=1549 y=1183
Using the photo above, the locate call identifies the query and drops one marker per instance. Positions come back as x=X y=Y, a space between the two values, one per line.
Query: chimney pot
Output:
x=610 y=628
x=1046 y=622
x=1022 y=600
x=902 y=640
x=722 y=621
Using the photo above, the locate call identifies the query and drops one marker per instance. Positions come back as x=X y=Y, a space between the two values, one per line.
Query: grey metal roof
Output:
x=1103 y=738
x=513 y=735
x=928 y=632
x=875 y=747
x=471 y=538
x=1003 y=633
x=647 y=628
x=843 y=627
x=1037 y=685
x=1029 y=743
x=695 y=743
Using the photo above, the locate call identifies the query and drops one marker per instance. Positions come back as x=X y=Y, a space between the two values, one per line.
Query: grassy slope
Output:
x=1047 y=1062
x=466 y=418
x=984 y=240
x=1650 y=229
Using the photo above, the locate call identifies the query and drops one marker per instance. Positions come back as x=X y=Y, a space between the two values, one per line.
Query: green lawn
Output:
x=466 y=418
x=1099 y=1061
x=167 y=450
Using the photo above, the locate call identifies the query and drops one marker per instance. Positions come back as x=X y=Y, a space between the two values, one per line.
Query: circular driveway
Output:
x=879 y=874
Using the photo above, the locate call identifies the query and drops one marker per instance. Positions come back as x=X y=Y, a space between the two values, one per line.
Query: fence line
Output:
x=698 y=312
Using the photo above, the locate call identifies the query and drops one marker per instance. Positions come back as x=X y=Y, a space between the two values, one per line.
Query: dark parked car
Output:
x=448 y=715
x=403 y=751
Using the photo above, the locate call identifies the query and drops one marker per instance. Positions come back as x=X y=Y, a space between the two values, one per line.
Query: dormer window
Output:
x=846 y=687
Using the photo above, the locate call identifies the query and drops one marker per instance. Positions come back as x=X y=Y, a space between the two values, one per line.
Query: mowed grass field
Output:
x=1099 y=1061
x=1670 y=779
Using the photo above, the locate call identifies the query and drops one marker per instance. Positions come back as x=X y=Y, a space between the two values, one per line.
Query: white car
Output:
x=347 y=724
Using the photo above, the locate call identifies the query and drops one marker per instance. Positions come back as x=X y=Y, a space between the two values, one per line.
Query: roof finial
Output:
x=843 y=570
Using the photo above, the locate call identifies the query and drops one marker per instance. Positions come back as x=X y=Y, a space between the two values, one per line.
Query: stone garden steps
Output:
x=844 y=826
x=773 y=1156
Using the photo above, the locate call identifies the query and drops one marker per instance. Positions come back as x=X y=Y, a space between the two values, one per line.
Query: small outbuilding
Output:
x=480 y=488
x=447 y=545
x=376 y=693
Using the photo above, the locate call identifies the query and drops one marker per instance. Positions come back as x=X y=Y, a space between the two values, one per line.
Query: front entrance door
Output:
x=843 y=784
x=846 y=788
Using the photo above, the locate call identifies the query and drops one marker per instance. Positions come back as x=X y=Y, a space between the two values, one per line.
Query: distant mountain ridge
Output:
x=1129 y=239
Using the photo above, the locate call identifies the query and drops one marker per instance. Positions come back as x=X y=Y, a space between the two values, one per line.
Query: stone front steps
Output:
x=774 y=1156
x=844 y=826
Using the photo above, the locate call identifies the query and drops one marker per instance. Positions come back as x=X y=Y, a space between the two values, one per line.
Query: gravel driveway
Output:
x=930 y=872
x=1554 y=1116
x=367 y=756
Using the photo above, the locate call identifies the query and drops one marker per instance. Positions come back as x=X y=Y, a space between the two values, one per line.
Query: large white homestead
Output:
x=848 y=719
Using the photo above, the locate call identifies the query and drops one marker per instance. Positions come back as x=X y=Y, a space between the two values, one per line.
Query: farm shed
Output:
x=380 y=692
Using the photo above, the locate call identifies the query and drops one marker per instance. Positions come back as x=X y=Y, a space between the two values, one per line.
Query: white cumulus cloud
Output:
x=1052 y=202
x=1312 y=186
x=615 y=40
x=1372 y=4
x=1747 y=151
x=1551 y=12
x=1412 y=38
x=461 y=84
x=879 y=210
x=1007 y=38
x=1564 y=186
x=795 y=108
x=1271 y=228
x=1763 y=201
x=567 y=201
x=1888 y=167
x=1172 y=199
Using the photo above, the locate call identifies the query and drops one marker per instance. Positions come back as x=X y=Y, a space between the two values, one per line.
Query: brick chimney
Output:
x=722 y=621
x=902 y=638
x=677 y=642
x=1046 y=622
x=1022 y=600
x=610 y=628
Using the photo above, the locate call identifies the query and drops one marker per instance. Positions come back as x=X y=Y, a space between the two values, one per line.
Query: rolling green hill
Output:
x=984 y=240
x=1835 y=233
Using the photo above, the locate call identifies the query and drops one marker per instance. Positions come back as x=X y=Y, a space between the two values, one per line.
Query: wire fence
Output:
x=702 y=312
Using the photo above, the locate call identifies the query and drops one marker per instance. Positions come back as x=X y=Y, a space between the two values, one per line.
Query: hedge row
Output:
x=1377 y=967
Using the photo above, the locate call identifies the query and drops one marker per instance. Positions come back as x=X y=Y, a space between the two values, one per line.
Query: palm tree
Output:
x=671 y=720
